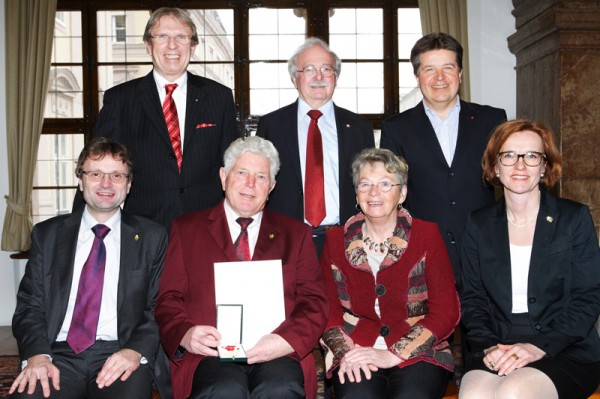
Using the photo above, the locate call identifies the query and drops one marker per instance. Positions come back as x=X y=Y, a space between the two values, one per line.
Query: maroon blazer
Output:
x=187 y=293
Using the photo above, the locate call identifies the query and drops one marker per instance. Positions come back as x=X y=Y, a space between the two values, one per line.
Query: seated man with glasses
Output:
x=84 y=321
x=316 y=140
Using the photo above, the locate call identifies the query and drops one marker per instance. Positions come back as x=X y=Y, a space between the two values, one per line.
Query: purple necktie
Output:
x=242 y=246
x=82 y=333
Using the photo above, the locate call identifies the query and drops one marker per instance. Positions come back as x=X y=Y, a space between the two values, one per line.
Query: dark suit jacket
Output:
x=132 y=115
x=281 y=128
x=187 y=292
x=563 y=284
x=44 y=291
x=438 y=192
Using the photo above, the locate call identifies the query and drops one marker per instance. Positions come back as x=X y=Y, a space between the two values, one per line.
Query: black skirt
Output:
x=572 y=379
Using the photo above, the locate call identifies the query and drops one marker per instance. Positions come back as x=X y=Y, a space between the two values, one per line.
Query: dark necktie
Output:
x=82 y=333
x=314 y=182
x=170 y=111
x=242 y=245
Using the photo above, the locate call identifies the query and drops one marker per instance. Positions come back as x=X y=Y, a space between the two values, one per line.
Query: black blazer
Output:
x=563 y=284
x=132 y=115
x=281 y=128
x=44 y=291
x=438 y=192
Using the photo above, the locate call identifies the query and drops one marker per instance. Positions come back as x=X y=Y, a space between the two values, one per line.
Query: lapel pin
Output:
x=347 y=125
x=136 y=237
x=471 y=117
x=549 y=219
x=271 y=236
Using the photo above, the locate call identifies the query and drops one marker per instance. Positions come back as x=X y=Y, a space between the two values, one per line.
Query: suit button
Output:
x=384 y=331
x=451 y=174
x=182 y=190
x=380 y=290
x=532 y=299
x=537 y=326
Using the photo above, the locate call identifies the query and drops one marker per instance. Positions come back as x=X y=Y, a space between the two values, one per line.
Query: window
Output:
x=244 y=45
x=118 y=28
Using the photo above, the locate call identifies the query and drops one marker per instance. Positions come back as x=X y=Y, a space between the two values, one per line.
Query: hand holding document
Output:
x=250 y=304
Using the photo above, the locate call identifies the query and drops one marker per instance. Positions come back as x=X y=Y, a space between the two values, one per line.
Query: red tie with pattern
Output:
x=170 y=111
x=242 y=246
x=82 y=333
x=314 y=182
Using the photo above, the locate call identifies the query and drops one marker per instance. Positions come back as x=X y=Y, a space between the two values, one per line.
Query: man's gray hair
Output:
x=256 y=145
x=310 y=42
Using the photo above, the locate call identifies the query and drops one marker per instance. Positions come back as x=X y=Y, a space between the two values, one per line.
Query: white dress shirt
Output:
x=446 y=130
x=179 y=96
x=235 y=229
x=107 y=322
x=331 y=171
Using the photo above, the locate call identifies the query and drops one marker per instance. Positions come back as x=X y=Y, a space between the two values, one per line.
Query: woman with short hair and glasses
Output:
x=531 y=278
x=391 y=291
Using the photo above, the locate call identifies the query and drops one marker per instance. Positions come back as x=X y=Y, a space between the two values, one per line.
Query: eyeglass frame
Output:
x=179 y=39
x=311 y=67
x=104 y=174
x=370 y=186
x=541 y=154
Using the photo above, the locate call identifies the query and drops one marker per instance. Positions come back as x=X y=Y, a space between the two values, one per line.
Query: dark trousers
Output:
x=78 y=375
x=421 y=380
x=278 y=378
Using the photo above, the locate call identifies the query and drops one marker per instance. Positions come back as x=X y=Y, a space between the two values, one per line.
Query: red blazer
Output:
x=417 y=299
x=187 y=293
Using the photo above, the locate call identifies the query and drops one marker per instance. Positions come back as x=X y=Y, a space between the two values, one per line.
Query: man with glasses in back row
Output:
x=316 y=141
x=177 y=125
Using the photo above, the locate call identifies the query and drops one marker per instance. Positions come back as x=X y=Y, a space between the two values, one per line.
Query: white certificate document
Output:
x=258 y=287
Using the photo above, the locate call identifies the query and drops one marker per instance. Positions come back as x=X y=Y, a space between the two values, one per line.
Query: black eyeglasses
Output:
x=115 y=177
x=531 y=158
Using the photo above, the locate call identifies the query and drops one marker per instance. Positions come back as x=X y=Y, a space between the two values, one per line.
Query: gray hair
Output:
x=310 y=42
x=392 y=163
x=256 y=145
x=182 y=15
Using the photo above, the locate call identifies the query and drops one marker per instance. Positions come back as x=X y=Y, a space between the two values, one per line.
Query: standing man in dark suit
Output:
x=174 y=174
x=314 y=70
x=280 y=364
x=442 y=139
x=87 y=323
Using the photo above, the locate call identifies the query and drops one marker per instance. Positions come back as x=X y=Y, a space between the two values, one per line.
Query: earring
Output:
x=399 y=207
x=542 y=174
x=358 y=207
x=498 y=175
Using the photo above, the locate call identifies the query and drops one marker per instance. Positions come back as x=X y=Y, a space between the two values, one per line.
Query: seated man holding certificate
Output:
x=280 y=363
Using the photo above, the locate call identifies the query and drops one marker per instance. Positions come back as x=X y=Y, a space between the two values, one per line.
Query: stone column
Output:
x=557 y=48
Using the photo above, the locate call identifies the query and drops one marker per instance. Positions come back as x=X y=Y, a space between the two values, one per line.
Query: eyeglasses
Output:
x=531 y=158
x=115 y=177
x=382 y=186
x=180 y=39
x=311 y=71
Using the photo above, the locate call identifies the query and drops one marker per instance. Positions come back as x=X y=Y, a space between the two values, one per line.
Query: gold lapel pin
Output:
x=136 y=237
x=271 y=236
x=549 y=219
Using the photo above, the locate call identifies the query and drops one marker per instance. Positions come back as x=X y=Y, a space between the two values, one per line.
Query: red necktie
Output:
x=170 y=111
x=242 y=246
x=82 y=333
x=314 y=184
